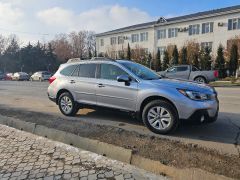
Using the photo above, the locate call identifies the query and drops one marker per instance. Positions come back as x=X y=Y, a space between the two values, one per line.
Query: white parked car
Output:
x=40 y=76
x=20 y=76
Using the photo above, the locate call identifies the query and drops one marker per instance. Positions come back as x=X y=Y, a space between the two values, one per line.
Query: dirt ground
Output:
x=171 y=153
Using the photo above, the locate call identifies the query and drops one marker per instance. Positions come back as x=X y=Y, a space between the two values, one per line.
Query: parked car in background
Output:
x=20 y=76
x=127 y=86
x=8 y=76
x=40 y=76
x=2 y=75
x=190 y=72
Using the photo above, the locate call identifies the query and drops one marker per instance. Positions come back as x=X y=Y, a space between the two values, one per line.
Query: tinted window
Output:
x=194 y=69
x=182 y=68
x=67 y=71
x=109 y=71
x=46 y=73
x=87 y=70
x=75 y=72
x=171 y=70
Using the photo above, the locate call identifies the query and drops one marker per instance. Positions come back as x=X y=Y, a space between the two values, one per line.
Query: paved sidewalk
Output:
x=27 y=156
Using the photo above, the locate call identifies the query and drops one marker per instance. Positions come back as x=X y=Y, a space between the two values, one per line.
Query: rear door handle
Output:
x=72 y=81
x=101 y=85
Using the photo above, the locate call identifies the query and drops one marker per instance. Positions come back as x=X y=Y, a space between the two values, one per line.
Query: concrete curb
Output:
x=111 y=151
x=178 y=174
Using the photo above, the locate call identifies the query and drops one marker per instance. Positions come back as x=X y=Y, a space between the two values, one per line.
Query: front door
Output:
x=114 y=94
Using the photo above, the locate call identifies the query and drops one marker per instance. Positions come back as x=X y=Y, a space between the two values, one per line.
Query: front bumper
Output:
x=207 y=112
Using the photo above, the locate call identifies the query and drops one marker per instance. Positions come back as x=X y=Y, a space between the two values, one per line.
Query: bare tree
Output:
x=3 y=42
x=192 y=50
x=62 y=47
x=78 y=43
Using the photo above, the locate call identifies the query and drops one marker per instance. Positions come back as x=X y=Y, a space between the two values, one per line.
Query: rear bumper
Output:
x=52 y=98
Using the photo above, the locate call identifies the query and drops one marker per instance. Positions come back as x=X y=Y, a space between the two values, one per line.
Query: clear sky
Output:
x=34 y=20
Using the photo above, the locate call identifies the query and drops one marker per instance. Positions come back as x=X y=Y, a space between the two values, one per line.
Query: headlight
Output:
x=198 y=96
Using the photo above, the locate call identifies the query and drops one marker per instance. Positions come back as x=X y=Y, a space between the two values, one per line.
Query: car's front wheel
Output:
x=160 y=117
x=67 y=105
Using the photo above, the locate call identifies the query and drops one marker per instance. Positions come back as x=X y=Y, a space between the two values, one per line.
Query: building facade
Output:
x=209 y=28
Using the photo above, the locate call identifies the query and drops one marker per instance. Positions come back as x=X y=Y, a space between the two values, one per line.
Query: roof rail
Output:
x=102 y=59
x=73 y=60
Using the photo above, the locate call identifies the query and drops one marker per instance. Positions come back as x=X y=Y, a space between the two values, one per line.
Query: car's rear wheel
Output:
x=200 y=80
x=160 y=117
x=67 y=105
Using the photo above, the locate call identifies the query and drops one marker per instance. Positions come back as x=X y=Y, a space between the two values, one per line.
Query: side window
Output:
x=75 y=72
x=111 y=72
x=67 y=71
x=182 y=68
x=87 y=70
x=194 y=68
x=171 y=70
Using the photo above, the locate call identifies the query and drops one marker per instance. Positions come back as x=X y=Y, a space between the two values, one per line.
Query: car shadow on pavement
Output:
x=224 y=130
x=109 y=115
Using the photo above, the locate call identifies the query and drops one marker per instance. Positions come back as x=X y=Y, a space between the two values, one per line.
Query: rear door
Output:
x=182 y=72
x=84 y=83
x=114 y=94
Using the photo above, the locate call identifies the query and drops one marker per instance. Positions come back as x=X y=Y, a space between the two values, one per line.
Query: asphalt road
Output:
x=223 y=135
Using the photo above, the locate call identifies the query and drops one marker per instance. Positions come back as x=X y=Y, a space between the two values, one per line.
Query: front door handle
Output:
x=72 y=81
x=101 y=85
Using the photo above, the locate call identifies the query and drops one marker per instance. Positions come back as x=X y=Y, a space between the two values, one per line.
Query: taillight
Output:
x=215 y=74
x=51 y=79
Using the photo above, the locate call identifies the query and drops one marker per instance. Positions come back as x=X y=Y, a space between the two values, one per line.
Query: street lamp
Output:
x=22 y=67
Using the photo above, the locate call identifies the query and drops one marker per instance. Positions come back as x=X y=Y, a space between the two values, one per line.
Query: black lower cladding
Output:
x=199 y=114
x=52 y=99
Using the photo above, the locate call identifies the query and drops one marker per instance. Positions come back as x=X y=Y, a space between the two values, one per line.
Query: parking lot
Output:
x=28 y=101
x=32 y=96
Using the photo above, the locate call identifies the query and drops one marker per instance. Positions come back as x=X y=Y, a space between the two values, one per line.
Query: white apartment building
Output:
x=209 y=28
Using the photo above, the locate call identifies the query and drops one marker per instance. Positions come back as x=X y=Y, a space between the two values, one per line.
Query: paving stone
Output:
x=26 y=156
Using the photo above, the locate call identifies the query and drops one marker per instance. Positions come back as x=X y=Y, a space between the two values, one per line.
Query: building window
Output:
x=194 y=29
x=207 y=27
x=161 y=34
x=206 y=44
x=172 y=32
x=102 y=42
x=162 y=49
x=120 y=40
x=135 y=38
x=113 y=40
x=234 y=24
x=144 y=36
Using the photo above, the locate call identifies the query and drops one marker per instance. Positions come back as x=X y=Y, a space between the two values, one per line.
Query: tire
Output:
x=68 y=110
x=200 y=80
x=161 y=125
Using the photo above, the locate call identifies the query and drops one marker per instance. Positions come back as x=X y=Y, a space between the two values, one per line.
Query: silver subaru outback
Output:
x=127 y=86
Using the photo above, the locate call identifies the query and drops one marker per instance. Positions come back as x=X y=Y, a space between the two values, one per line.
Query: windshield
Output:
x=140 y=71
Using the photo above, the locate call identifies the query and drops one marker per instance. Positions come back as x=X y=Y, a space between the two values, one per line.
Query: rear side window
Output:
x=87 y=70
x=194 y=68
x=182 y=68
x=67 y=71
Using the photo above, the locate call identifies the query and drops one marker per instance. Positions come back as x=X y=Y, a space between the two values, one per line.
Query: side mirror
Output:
x=124 y=78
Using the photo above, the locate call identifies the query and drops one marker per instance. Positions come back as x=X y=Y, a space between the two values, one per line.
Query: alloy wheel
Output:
x=66 y=104
x=159 y=117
